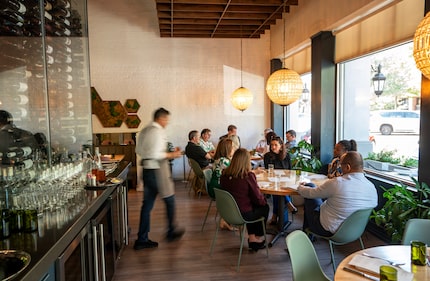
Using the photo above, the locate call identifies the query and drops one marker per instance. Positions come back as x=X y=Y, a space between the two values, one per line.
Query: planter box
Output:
x=388 y=167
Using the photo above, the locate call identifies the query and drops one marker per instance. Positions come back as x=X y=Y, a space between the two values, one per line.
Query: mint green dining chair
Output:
x=349 y=231
x=208 y=175
x=229 y=211
x=304 y=260
x=417 y=229
x=199 y=181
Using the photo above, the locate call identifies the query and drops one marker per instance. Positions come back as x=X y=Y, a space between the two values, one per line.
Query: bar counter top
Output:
x=49 y=242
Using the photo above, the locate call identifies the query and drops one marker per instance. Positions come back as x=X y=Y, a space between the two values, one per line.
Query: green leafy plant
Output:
x=303 y=157
x=409 y=162
x=402 y=204
x=384 y=156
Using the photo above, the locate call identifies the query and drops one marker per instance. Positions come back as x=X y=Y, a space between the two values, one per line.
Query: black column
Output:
x=323 y=100
x=277 y=116
x=424 y=153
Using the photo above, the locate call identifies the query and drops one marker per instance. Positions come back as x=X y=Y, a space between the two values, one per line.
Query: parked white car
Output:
x=394 y=121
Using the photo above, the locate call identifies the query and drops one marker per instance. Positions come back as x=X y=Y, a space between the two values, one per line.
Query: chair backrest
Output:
x=196 y=168
x=417 y=229
x=353 y=227
x=227 y=207
x=304 y=260
x=208 y=176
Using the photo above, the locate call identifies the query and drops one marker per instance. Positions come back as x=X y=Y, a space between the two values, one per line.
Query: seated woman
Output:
x=223 y=154
x=241 y=182
x=279 y=157
x=343 y=146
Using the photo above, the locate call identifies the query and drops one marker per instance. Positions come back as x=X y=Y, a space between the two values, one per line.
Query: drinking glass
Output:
x=418 y=253
x=271 y=168
x=387 y=273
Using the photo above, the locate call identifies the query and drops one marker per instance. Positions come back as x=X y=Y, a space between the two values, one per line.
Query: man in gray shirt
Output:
x=343 y=196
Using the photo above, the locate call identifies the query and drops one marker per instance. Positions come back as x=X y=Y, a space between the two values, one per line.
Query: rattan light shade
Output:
x=241 y=98
x=284 y=86
x=422 y=46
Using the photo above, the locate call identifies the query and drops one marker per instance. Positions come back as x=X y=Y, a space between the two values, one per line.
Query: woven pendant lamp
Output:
x=422 y=46
x=284 y=86
x=241 y=98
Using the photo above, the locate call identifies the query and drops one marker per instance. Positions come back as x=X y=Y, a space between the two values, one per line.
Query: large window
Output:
x=386 y=127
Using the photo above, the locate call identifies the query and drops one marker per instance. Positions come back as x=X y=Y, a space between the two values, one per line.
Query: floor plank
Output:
x=189 y=259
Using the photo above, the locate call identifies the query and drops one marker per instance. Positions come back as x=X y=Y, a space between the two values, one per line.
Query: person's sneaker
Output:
x=139 y=245
x=175 y=235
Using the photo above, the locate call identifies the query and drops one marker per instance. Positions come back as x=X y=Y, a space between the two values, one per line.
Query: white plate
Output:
x=317 y=177
x=263 y=184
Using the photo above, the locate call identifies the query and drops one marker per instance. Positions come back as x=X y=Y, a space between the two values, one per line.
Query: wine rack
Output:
x=44 y=71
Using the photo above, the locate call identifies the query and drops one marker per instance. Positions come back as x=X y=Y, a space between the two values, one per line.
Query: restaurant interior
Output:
x=81 y=74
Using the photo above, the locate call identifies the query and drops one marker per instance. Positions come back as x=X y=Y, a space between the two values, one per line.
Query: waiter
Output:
x=152 y=148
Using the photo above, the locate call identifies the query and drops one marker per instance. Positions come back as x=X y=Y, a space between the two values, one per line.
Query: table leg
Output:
x=282 y=228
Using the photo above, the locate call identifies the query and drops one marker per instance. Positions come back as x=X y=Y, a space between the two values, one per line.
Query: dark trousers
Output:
x=150 y=192
x=311 y=218
x=258 y=212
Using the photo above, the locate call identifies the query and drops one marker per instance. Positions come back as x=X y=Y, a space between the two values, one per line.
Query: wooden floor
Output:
x=188 y=259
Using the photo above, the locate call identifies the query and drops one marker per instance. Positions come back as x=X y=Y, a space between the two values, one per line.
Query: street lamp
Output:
x=378 y=81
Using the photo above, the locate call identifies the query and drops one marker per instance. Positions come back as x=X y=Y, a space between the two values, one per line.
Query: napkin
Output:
x=373 y=264
x=264 y=184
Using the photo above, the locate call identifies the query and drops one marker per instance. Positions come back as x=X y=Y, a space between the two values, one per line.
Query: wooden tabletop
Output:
x=109 y=159
x=397 y=253
x=289 y=181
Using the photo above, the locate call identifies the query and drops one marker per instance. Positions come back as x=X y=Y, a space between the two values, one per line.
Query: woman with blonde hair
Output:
x=241 y=183
x=223 y=154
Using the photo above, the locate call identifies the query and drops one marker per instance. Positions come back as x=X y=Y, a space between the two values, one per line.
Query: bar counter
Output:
x=47 y=244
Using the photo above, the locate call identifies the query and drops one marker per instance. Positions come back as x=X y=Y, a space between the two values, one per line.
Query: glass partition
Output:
x=44 y=81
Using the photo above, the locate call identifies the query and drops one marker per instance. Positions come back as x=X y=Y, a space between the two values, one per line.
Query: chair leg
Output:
x=188 y=178
x=361 y=243
x=265 y=237
x=214 y=240
x=242 y=239
x=207 y=213
x=332 y=256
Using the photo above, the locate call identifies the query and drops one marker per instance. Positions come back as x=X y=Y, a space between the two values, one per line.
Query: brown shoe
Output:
x=224 y=225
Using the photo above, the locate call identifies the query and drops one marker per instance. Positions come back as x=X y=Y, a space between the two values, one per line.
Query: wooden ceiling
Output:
x=219 y=18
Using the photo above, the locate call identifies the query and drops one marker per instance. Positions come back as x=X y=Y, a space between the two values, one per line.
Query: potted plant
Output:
x=402 y=204
x=303 y=157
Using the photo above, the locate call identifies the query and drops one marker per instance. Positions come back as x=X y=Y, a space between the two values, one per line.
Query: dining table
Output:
x=364 y=264
x=284 y=183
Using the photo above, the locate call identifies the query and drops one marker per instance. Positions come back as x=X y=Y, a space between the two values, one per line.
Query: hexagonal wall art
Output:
x=111 y=113
x=132 y=121
x=132 y=105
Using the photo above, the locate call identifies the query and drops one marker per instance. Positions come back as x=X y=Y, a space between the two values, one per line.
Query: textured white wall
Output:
x=192 y=78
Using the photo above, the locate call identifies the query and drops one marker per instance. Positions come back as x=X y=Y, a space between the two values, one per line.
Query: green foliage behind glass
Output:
x=303 y=157
x=402 y=204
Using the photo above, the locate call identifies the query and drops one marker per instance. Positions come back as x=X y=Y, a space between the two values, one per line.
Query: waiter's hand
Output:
x=175 y=154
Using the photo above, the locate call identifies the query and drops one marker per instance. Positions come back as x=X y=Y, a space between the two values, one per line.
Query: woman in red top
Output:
x=240 y=181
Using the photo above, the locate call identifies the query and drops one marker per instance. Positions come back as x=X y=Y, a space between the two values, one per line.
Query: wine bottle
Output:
x=14 y=6
x=12 y=100
x=19 y=87
x=18 y=152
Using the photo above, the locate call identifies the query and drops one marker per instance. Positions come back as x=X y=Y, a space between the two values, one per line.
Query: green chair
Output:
x=417 y=229
x=208 y=176
x=229 y=211
x=304 y=260
x=349 y=231
x=199 y=180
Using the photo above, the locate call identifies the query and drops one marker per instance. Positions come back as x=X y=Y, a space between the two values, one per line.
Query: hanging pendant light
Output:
x=241 y=98
x=284 y=86
x=422 y=46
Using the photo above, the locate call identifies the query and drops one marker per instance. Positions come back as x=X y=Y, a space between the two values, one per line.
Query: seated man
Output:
x=290 y=136
x=205 y=143
x=194 y=151
x=232 y=131
x=343 y=195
